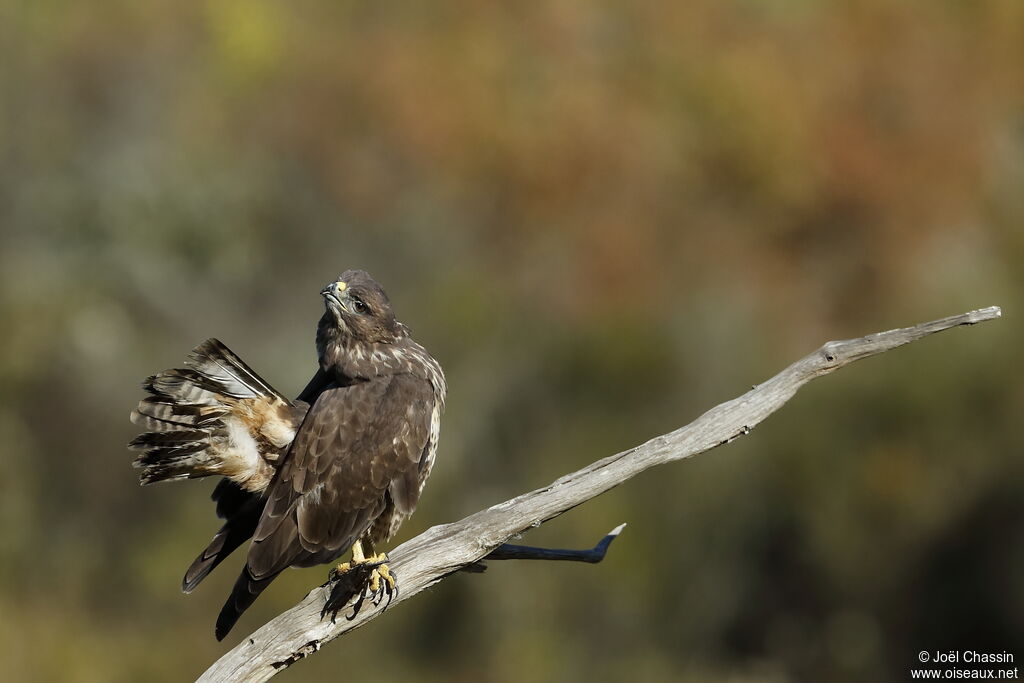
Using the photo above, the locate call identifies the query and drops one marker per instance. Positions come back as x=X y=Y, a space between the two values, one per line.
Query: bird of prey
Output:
x=338 y=469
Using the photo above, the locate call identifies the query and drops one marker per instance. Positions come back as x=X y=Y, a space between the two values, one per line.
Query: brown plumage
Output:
x=345 y=462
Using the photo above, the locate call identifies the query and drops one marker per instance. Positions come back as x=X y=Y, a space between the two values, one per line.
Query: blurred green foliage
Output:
x=602 y=218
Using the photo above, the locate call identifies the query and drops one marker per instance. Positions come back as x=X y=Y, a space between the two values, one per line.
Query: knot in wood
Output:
x=830 y=352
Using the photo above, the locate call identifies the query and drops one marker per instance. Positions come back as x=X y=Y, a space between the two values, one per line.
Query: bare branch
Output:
x=507 y=551
x=442 y=550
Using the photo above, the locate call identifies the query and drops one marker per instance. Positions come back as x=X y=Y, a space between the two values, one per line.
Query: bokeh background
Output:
x=603 y=218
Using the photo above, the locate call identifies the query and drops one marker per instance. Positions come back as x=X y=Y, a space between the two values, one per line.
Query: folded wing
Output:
x=358 y=457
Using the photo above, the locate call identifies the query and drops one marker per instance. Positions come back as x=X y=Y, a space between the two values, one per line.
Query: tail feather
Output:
x=228 y=372
x=173 y=439
x=216 y=416
x=237 y=530
x=200 y=420
x=160 y=414
x=186 y=386
x=230 y=498
x=245 y=592
x=174 y=455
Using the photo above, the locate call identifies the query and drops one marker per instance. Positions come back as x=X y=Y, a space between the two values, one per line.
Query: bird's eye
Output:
x=360 y=307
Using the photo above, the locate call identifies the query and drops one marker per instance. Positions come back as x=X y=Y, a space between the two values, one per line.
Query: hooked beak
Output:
x=333 y=293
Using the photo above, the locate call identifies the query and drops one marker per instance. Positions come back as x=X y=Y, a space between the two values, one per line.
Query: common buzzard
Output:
x=338 y=469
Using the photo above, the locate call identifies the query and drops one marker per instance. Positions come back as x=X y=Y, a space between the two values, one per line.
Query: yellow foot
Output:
x=381 y=574
x=363 y=577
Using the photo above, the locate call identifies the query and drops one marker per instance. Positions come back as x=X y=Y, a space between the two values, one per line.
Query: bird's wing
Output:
x=356 y=443
x=215 y=416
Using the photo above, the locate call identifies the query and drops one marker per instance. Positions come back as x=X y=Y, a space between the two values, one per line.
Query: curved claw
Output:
x=345 y=585
x=388 y=587
x=361 y=580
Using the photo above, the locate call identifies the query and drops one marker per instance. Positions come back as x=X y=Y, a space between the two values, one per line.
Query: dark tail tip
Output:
x=225 y=622
x=242 y=596
x=236 y=531
x=228 y=617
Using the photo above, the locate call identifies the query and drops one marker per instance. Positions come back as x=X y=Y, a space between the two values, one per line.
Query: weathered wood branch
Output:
x=507 y=551
x=442 y=550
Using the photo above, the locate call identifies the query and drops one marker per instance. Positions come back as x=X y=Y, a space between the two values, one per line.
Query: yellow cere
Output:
x=341 y=286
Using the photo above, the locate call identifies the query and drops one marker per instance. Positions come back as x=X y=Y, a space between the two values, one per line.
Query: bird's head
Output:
x=358 y=308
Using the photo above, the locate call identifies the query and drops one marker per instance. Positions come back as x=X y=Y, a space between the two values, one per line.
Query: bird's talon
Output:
x=356 y=607
x=370 y=578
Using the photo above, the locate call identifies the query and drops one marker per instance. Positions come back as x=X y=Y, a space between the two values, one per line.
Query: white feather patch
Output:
x=278 y=432
x=240 y=458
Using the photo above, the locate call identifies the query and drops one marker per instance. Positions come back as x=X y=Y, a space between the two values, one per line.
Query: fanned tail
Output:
x=215 y=416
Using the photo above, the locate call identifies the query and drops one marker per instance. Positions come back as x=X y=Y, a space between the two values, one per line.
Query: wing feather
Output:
x=357 y=444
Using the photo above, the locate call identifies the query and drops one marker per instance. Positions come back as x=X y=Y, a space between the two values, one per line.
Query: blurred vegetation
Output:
x=602 y=218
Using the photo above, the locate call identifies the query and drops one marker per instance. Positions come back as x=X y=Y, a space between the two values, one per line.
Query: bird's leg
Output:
x=366 y=575
x=357 y=558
